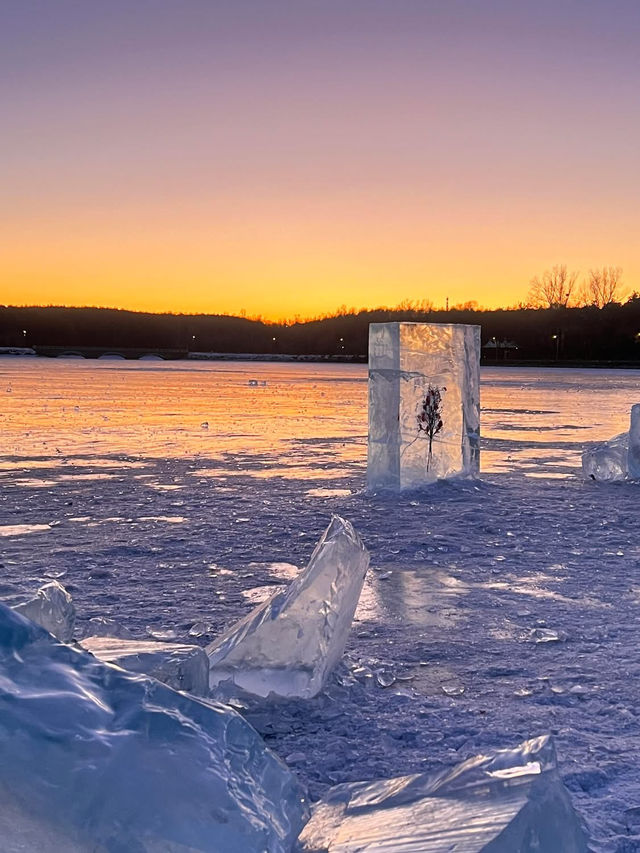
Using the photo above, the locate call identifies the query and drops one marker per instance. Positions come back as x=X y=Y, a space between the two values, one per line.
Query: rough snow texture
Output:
x=181 y=666
x=289 y=645
x=52 y=608
x=607 y=461
x=94 y=758
x=633 y=458
x=408 y=361
x=511 y=800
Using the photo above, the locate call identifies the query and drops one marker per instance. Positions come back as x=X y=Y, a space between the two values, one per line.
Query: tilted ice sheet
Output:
x=52 y=608
x=181 y=666
x=95 y=758
x=512 y=800
x=288 y=645
x=408 y=362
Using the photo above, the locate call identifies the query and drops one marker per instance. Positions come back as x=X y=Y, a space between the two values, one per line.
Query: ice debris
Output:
x=607 y=461
x=288 y=645
x=502 y=802
x=181 y=666
x=95 y=758
x=52 y=608
x=424 y=403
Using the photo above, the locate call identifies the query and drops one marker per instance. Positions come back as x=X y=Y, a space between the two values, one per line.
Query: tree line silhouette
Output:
x=554 y=325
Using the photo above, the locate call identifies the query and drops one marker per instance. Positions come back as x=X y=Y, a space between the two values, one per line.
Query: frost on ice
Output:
x=289 y=644
x=95 y=758
x=52 y=608
x=424 y=403
x=510 y=800
x=181 y=666
x=607 y=461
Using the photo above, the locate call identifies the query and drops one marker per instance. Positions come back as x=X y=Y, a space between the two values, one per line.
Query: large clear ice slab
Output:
x=52 y=608
x=289 y=644
x=181 y=666
x=424 y=403
x=608 y=460
x=98 y=759
x=508 y=801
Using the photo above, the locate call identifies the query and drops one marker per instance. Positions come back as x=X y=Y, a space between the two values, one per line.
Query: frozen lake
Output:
x=302 y=420
x=495 y=609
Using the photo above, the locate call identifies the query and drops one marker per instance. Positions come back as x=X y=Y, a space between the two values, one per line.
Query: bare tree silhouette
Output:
x=603 y=287
x=553 y=289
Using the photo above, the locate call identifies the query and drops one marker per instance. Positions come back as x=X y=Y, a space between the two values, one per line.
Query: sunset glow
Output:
x=286 y=158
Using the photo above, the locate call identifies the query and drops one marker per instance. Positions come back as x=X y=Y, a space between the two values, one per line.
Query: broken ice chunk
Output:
x=506 y=801
x=424 y=403
x=289 y=644
x=97 y=759
x=633 y=459
x=182 y=667
x=607 y=461
x=52 y=608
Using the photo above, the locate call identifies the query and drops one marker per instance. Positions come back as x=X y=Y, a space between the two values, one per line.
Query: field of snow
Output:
x=173 y=497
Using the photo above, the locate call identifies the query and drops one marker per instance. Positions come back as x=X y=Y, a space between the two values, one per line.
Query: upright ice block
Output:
x=424 y=403
x=633 y=459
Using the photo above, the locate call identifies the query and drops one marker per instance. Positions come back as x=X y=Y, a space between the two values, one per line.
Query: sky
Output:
x=288 y=158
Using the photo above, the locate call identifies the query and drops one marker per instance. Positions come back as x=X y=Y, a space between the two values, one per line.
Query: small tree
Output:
x=430 y=417
x=553 y=289
x=602 y=287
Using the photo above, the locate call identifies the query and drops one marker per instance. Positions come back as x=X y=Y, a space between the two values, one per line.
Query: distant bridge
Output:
x=120 y=352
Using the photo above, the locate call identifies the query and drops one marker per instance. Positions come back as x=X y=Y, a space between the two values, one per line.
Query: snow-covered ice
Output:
x=607 y=461
x=495 y=609
x=289 y=644
x=52 y=608
x=181 y=666
x=95 y=758
x=507 y=801
x=424 y=403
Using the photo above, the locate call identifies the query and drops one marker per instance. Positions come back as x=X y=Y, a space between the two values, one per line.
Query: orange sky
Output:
x=308 y=157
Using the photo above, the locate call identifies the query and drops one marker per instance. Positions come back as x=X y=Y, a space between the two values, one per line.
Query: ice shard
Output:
x=511 y=800
x=607 y=461
x=288 y=645
x=424 y=403
x=181 y=666
x=98 y=759
x=633 y=459
x=52 y=608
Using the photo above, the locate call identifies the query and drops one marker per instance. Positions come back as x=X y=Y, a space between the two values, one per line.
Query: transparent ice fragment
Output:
x=181 y=666
x=52 y=608
x=96 y=758
x=424 y=403
x=607 y=461
x=502 y=802
x=289 y=644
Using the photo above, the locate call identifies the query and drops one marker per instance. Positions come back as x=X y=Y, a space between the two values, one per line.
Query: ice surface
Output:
x=52 y=608
x=424 y=403
x=512 y=800
x=633 y=459
x=181 y=666
x=288 y=645
x=95 y=758
x=607 y=461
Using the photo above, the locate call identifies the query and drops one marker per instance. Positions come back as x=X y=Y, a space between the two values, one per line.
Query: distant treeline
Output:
x=611 y=333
